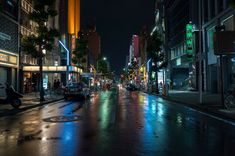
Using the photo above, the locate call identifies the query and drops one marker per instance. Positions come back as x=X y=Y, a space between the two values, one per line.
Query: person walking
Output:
x=55 y=85
x=58 y=83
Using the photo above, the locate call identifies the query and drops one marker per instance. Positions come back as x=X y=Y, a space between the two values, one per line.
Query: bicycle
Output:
x=229 y=99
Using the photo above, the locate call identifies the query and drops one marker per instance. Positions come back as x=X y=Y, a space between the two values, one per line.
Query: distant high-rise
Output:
x=69 y=19
x=135 y=45
x=73 y=17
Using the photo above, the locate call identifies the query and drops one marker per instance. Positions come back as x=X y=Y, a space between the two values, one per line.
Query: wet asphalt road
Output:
x=115 y=123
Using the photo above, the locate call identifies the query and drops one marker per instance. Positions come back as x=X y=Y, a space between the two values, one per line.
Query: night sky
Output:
x=116 y=22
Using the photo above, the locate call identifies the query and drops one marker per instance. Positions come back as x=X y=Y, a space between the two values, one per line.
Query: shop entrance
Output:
x=3 y=80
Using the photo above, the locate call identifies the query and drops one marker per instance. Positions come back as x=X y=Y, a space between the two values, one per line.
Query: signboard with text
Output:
x=8 y=59
x=189 y=39
x=224 y=43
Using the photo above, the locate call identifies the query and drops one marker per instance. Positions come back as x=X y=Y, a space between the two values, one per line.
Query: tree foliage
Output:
x=81 y=50
x=102 y=66
x=44 y=39
x=154 y=51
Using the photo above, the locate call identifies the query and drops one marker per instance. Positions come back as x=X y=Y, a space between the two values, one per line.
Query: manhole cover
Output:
x=62 y=119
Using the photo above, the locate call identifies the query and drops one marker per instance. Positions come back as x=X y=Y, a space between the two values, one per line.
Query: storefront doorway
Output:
x=3 y=79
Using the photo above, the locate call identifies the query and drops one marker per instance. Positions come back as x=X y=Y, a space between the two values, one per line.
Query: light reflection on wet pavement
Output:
x=115 y=123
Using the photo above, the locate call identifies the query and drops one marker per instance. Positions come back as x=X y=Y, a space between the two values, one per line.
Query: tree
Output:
x=81 y=50
x=154 y=51
x=43 y=41
x=102 y=66
x=131 y=69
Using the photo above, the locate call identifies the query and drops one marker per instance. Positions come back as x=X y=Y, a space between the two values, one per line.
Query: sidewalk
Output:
x=29 y=101
x=211 y=103
x=34 y=98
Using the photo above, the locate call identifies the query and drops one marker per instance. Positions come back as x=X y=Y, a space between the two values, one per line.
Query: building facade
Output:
x=178 y=16
x=29 y=65
x=69 y=26
x=143 y=57
x=9 y=43
x=92 y=37
x=217 y=13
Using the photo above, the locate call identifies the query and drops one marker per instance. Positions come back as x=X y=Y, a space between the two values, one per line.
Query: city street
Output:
x=115 y=123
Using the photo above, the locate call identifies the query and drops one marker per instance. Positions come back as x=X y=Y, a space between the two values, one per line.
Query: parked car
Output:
x=78 y=90
x=131 y=87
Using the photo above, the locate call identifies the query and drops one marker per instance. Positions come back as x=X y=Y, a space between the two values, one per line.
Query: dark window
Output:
x=212 y=8
x=11 y=7
x=1 y=5
x=205 y=10
x=220 y=6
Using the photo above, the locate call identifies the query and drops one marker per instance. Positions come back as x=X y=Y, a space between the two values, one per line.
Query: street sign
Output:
x=224 y=43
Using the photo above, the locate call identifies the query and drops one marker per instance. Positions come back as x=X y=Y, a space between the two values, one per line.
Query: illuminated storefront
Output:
x=50 y=74
x=8 y=44
x=8 y=68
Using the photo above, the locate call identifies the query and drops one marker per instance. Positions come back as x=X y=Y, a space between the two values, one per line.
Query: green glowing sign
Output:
x=153 y=75
x=189 y=39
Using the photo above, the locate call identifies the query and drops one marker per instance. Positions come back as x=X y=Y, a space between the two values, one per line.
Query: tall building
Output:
x=29 y=65
x=143 y=45
x=69 y=22
x=94 y=45
x=135 y=45
x=73 y=17
x=143 y=56
x=27 y=27
x=134 y=59
x=9 y=43
x=179 y=17
x=217 y=13
x=159 y=28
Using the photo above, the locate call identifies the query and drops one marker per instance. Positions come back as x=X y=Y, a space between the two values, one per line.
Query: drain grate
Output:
x=63 y=118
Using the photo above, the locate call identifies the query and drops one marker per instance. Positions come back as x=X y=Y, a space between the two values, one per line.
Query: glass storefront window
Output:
x=212 y=59
x=232 y=70
x=229 y=23
x=229 y=26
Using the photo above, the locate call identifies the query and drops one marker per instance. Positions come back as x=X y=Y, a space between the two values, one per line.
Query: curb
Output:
x=197 y=107
x=20 y=110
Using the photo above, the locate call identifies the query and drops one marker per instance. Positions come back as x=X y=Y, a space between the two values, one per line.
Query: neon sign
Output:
x=189 y=39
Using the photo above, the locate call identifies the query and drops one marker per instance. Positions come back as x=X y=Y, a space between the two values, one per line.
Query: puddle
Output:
x=63 y=118
x=29 y=137
x=33 y=138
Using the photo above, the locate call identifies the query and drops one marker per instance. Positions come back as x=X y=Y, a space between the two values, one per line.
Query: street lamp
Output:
x=97 y=63
x=44 y=51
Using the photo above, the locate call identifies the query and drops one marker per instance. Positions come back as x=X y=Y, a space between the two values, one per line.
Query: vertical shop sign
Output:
x=189 y=39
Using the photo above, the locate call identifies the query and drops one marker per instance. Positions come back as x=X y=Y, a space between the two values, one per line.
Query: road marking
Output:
x=212 y=116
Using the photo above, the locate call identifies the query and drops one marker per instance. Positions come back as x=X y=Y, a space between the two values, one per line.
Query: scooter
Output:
x=12 y=97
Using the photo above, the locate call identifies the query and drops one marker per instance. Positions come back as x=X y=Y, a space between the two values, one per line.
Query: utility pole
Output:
x=221 y=28
x=200 y=51
x=222 y=80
